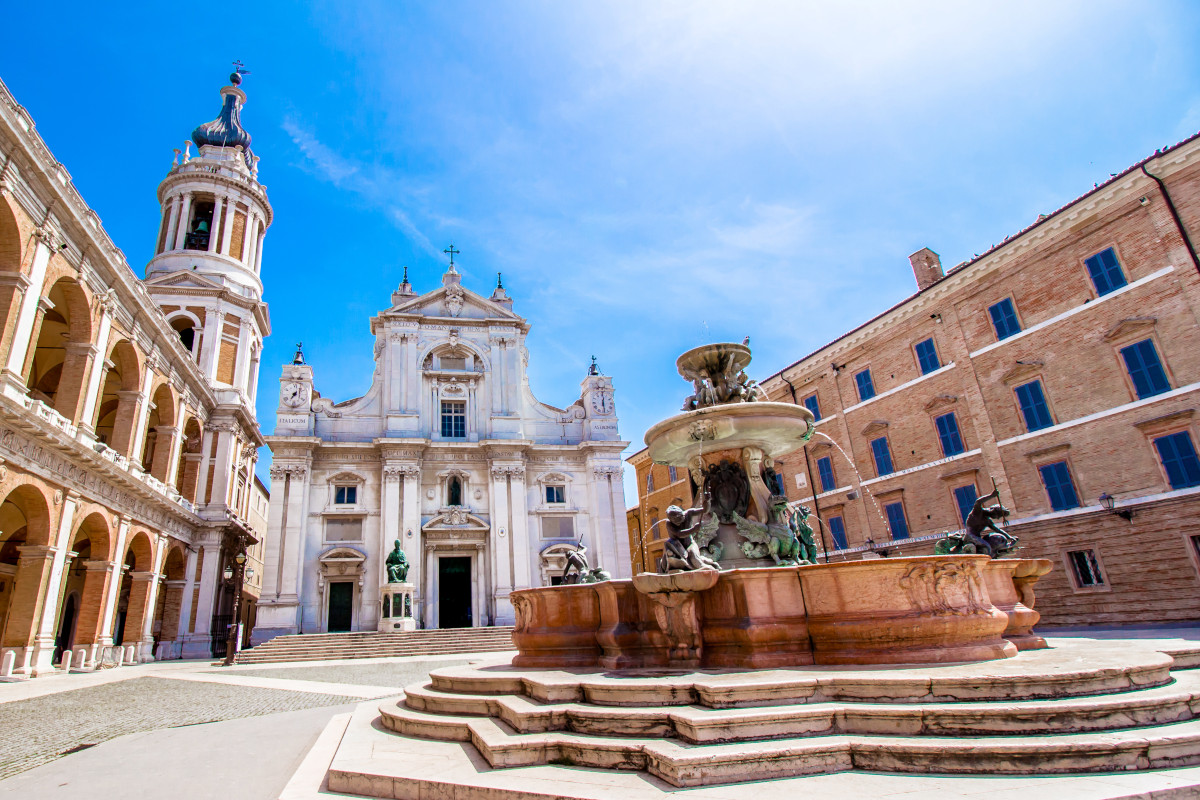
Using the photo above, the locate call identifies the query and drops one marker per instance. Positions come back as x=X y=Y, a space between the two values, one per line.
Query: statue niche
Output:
x=454 y=491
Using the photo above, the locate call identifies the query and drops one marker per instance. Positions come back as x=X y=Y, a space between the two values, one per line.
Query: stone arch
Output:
x=61 y=349
x=137 y=584
x=188 y=326
x=10 y=239
x=116 y=412
x=25 y=525
x=187 y=471
x=161 y=431
x=456 y=346
x=170 y=599
x=89 y=574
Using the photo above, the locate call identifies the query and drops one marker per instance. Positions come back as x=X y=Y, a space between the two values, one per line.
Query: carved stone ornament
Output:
x=454 y=299
x=58 y=497
x=515 y=471
x=296 y=471
x=323 y=405
x=730 y=489
x=606 y=472
x=453 y=389
x=379 y=345
x=702 y=431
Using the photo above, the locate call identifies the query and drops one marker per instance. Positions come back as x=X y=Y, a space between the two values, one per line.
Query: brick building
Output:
x=1064 y=363
x=659 y=486
x=127 y=430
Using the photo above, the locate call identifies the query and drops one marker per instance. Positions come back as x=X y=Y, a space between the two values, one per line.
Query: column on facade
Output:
x=183 y=621
x=258 y=252
x=241 y=371
x=34 y=566
x=218 y=207
x=616 y=503
x=251 y=240
x=227 y=226
x=252 y=389
x=184 y=214
x=172 y=222
x=520 y=524
x=206 y=441
x=143 y=415
x=503 y=556
x=139 y=620
x=14 y=370
x=247 y=234
x=100 y=365
x=113 y=590
x=280 y=608
x=210 y=344
x=410 y=520
x=600 y=519
x=198 y=642
x=43 y=306
x=89 y=630
x=223 y=467
x=390 y=524
x=479 y=589
x=496 y=384
x=176 y=443
x=48 y=623
x=428 y=590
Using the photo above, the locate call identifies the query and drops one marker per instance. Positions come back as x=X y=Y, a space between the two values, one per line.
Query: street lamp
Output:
x=235 y=626
x=1109 y=503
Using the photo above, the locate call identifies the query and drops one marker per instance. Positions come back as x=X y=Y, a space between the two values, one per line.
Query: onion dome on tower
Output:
x=226 y=130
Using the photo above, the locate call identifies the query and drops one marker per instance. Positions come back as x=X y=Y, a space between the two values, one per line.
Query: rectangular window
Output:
x=1145 y=369
x=558 y=527
x=454 y=419
x=556 y=494
x=927 y=356
x=1004 y=319
x=650 y=480
x=672 y=474
x=1105 y=271
x=837 y=529
x=345 y=495
x=825 y=472
x=883 y=456
x=964 y=498
x=1178 y=456
x=1060 y=488
x=866 y=387
x=1086 y=568
x=343 y=530
x=1032 y=400
x=948 y=434
x=813 y=405
x=896 y=521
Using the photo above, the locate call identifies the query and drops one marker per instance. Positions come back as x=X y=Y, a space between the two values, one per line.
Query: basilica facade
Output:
x=449 y=453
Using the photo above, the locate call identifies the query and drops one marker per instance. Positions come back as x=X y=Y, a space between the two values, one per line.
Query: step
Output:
x=1175 y=702
x=683 y=764
x=1072 y=668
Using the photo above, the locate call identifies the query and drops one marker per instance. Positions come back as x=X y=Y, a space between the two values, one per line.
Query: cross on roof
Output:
x=452 y=252
x=240 y=68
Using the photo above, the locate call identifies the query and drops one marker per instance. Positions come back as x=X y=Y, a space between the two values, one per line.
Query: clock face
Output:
x=294 y=395
x=602 y=403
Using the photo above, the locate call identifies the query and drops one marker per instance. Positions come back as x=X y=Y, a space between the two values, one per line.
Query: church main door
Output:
x=454 y=592
x=341 y=599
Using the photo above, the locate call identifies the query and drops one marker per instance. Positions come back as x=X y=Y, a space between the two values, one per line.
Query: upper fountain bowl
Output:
x=722 y=358
x=774 y=428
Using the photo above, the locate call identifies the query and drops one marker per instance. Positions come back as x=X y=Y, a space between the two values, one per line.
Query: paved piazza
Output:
x=58 y=731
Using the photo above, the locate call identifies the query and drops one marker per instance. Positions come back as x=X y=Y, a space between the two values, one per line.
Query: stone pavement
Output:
x=57 y=732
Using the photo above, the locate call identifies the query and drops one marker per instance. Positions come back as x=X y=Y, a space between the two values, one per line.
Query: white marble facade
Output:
x=486 y=488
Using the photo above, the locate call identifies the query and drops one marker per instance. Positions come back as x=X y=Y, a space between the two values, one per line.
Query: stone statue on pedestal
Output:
x=397 y=565
x=981 y=534
x=680 y=551
x=578 y=570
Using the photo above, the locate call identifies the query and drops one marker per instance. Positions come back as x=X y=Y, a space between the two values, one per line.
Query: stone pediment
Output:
x=454 y=301
x=1130 y=328
x=874 y=428
x=183 y=280
x=456 y=518
x=1022 y=371
x=341 y=553
x=940 y=403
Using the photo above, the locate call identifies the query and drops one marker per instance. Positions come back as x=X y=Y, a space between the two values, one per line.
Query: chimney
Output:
x=927 y=267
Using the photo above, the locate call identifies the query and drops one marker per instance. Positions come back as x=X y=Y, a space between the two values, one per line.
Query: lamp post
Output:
x=235 y=626
x=1109 y=503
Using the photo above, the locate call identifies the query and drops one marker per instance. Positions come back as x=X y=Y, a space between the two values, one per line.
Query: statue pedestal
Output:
x=398 y=601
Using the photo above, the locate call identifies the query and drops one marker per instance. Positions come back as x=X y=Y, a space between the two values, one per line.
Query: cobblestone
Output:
x=39 y=730
x=378 y=674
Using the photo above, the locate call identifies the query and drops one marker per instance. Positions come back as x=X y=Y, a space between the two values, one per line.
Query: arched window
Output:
x=187 y=332
x=454 y=491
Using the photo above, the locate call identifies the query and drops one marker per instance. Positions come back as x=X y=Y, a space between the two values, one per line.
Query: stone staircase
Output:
x=368 y=644
x=1077 y=708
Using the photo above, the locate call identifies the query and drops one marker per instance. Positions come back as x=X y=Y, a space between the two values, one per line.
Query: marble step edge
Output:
x=687 y=765
x=782 y=687
x=1185 y=657
x=700 y=725
x=466 y=646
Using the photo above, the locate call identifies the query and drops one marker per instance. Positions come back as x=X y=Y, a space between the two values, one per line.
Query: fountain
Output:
x=726 y=664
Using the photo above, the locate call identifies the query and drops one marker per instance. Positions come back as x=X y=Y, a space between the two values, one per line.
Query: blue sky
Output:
x=647 y=176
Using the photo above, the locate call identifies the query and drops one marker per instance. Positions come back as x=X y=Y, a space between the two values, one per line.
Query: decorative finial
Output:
x=405 y=278
x=299 y=358
x=452 y=253
x=593 y=369
x=238 y=71
x=499 y=281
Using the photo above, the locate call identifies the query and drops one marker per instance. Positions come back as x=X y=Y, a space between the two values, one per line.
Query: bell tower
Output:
x=205 y=274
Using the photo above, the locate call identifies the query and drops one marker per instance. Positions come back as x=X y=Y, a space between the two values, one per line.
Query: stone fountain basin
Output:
x=912 y=610
x=774 y=428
